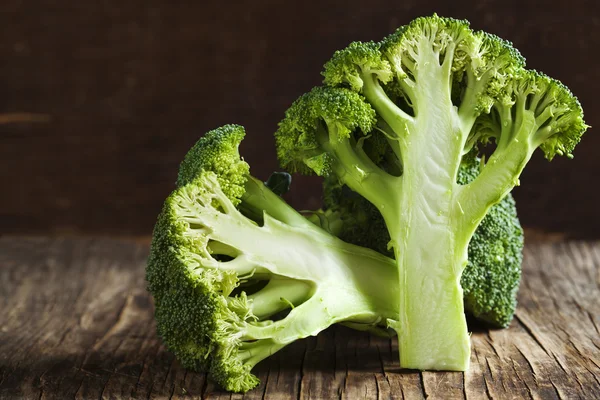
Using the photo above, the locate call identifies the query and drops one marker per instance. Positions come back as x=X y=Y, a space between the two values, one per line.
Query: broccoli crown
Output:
x=190 y=292
x=486 y=72
x=346 y=65
x=302 y=139
x=218 y=151
x=219 y=277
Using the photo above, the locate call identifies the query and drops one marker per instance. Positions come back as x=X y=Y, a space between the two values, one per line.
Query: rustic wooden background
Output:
x=93 y=336
x=100 y=99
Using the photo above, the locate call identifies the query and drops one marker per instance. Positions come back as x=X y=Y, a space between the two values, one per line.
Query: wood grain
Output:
x=76 y=322
x=124 y=88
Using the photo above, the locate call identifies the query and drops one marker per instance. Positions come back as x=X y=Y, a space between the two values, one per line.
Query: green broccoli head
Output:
x=438 y=89
x=218 y=151
x=191 y=285
x=318 y=121
x=218 y=275
x=347 y=65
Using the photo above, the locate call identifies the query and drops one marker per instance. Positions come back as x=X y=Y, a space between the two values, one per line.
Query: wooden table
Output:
x=76 y=321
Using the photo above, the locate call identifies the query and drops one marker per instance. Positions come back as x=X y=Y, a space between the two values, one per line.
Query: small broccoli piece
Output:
x=219 y=277
x=358 y=221
x=434 y=89
x=491 y=278
x=218 y=151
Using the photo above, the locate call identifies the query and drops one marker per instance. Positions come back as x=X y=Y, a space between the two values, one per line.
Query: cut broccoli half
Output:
x=435 y=89
x=219 y=277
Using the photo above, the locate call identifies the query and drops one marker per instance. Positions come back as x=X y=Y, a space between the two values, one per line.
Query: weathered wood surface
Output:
x=76 y=322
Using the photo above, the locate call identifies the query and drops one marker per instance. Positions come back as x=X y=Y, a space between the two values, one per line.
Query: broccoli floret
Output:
x=434 y=89
x=219 y=277
x=356 y=220
x=491 y=278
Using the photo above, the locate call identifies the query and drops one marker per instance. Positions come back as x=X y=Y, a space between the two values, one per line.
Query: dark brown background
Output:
x=100 y=100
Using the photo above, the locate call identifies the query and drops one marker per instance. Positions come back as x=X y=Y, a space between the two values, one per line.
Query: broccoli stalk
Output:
x=434 y=89
x=208 y=260
x=490 y=280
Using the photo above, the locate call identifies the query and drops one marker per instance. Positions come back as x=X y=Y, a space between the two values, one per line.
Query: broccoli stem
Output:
x=501 y=173
x=431 y=252
x=468 y=105
x=356 y=288
x=251 y=353
x=398 y=120
x=429 y=243
x=278 y=295
x=326 y=307
x=353 y=168
x=258 y=199
x=432 y=330
x=357 y=277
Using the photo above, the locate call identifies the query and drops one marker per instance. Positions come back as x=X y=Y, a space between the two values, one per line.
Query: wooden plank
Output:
x=76 y=322
x=101 y=102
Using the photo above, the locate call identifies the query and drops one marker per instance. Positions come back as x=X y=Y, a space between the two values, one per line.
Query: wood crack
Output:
x=425 y=394
x=300 y=381
x=515 y=369
x=591 y=317
x=533 y=373
x=115 y=326
x=264 y=393
x=491 y=343
x=556 y=390
x=376 y=388
x=104 y=385
x=137 y=382
x=529 y=330
x=204 y=386
x=485 y=380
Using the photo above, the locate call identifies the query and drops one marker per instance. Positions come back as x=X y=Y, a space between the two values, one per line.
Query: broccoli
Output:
x=237 y=274
x=434 y=89
x=491 y=278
